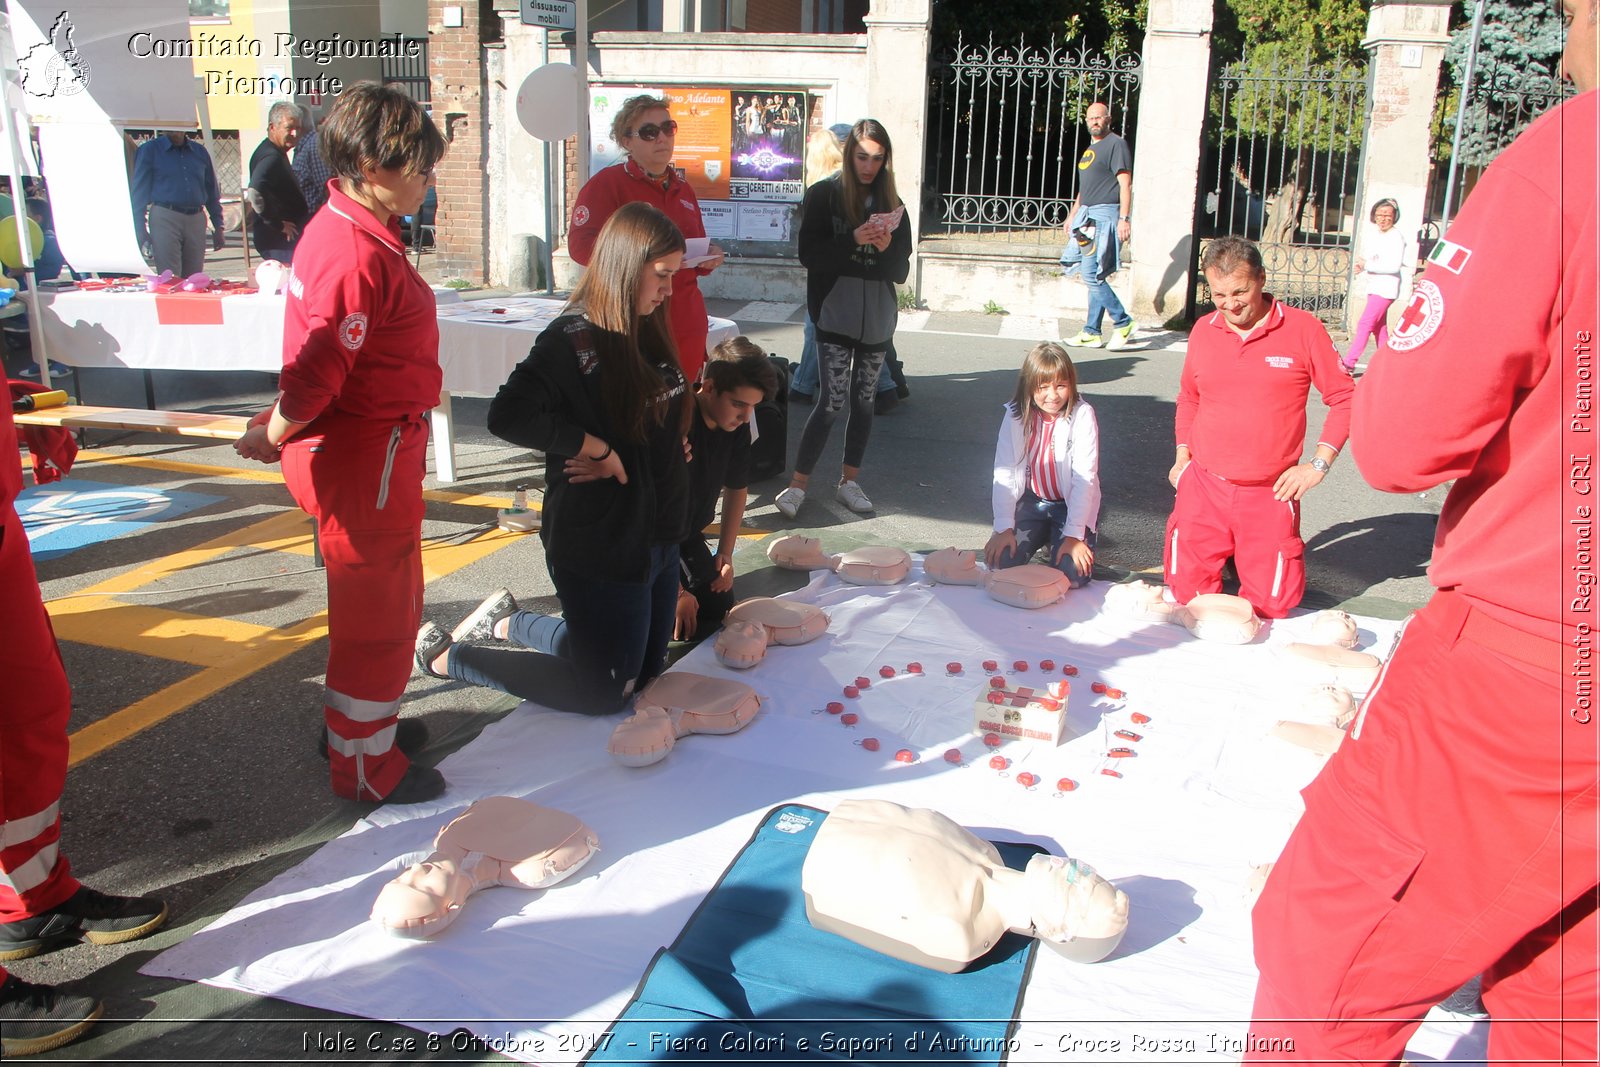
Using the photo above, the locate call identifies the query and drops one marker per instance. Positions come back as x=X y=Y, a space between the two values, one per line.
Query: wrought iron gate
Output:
x=1007 y=130
x=1283 y=158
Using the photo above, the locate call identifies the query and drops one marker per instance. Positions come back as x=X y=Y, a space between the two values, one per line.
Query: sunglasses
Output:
x=650 y=130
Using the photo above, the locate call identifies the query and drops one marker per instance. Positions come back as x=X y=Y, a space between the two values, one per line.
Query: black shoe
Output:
x=885 y=402
x=38 y=1018
x=410 y=737
x=418 y=784
x=88 y=915
x=796 y=397
x=902 y=390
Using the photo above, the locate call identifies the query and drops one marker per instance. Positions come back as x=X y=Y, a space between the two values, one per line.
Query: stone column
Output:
x=1406 y=40
x=1166 y=163
x=455 y=68
x=897 y=89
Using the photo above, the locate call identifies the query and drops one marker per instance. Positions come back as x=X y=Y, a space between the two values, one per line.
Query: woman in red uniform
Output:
x=360 y=371
x=644 y=130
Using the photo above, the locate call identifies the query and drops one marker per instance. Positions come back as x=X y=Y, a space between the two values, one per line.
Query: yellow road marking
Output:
x=227 y=650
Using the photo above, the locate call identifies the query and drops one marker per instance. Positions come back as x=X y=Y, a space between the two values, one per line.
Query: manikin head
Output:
x=1073 y=909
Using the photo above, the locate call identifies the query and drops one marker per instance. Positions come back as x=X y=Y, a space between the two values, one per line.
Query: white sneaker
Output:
x=851 y=496
x=789 y=501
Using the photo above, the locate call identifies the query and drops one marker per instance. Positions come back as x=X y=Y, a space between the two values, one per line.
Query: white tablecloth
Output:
x=478 y=346
x=1208 y=795
x=480 y=341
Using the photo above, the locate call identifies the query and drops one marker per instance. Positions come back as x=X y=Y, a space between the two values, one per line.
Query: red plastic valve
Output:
x=1139 y=718
x=1019 y=665
x=849 y=718
x=1069 y=670
x=1098 y=687
x=885 y=672
x=1114 y=694
x=863 y=682
x=991 y=665
x=852 y=691
x=952 y=755
x=913 y=668
x=1110 y=772
x=997 y=683
x=998 y=763
x=1027 y=779
x=834 y=707
x=870 y=744
x=992 y=740
x=1047 y=665
x=1066 y=785
x=953 y=667
x=996 y=697
x=905 y=755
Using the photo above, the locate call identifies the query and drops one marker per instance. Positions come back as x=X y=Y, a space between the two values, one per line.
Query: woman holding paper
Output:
x=856 y=245
x=646 y=133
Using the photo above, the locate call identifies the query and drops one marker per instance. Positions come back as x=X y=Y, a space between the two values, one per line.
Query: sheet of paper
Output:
x=696 y=251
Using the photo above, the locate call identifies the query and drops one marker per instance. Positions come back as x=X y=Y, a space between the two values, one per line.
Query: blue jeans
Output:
x=610 y=641
x=1042 y=522
x=806 y=376
x=1107 y=252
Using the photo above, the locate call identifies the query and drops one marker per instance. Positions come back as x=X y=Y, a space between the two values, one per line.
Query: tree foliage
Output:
x=1109 y=25
x=1514 y=79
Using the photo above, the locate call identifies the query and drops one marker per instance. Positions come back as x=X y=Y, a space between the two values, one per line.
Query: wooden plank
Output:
x=183 y=423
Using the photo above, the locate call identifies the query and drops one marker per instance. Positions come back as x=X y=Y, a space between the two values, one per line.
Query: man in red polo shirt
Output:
x=1455 y=831
x=1240 y=427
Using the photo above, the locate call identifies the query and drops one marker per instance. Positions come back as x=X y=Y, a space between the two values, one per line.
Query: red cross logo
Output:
x=353 y=330
x=1421 y=318
x=1414 y=315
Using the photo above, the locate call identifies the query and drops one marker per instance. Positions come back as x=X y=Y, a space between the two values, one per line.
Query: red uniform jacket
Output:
x=1242 y=400
x=1490 y=366
x=362 y=336
x=624 y=183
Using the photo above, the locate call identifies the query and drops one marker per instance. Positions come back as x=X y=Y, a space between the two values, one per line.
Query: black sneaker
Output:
x=38 y=1018
x=419 y=783
x=410 y=737
x=431 y=643
x=87 y=915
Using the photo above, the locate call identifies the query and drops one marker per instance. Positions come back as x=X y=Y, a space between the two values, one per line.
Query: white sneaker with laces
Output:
x=789 y=501
x=851 y=496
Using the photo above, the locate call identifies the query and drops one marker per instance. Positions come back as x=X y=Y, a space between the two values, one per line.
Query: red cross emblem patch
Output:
x=1421 y=318
x=580 y=215
x=353 y=330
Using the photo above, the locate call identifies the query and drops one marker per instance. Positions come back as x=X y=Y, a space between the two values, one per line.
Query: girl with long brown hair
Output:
x=855 y=243
x=1047 y=470
x=603 y=397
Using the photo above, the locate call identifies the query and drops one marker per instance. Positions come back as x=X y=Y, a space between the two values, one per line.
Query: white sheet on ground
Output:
x=536 y=973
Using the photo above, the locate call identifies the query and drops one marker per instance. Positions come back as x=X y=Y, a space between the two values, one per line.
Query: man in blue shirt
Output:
x=174 y=182
x=311 y=172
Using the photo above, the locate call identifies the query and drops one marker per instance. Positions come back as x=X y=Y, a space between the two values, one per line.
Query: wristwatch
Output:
x=1320 y=465
x=1127 y=218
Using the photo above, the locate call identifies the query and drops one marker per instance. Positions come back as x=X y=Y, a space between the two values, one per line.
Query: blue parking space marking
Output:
x=67 y=515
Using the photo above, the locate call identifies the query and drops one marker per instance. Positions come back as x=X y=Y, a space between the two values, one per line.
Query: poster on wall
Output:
x=742 y=150
x=769 y=151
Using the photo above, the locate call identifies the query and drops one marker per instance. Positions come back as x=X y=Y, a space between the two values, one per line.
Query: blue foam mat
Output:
x=71 y=514
x=750 y=980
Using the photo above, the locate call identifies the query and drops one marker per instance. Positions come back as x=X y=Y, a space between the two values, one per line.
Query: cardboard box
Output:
x=1019 y=713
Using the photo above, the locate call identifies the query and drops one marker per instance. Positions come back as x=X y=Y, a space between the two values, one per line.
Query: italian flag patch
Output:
x=1452 y=257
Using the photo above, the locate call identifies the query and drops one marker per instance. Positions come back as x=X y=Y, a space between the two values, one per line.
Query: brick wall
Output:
x=455 y=57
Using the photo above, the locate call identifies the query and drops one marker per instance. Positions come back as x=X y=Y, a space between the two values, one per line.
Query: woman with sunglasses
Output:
x=645 y=132
x=360 y=373
x=602 y=396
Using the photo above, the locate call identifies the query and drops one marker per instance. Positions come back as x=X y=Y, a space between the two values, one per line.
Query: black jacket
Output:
x=849 y=287
x=597 y=529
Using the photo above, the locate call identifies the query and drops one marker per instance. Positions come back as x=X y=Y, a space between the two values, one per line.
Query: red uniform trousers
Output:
x=1454 y=835
x=34 y=876
x=1212 y=519
x=362 y=481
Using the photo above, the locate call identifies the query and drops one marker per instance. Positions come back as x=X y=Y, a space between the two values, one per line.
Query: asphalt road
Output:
x=203 y=803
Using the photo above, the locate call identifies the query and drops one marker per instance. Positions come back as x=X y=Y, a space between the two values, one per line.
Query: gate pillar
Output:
x=1166 y=164
x=1406 y=41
